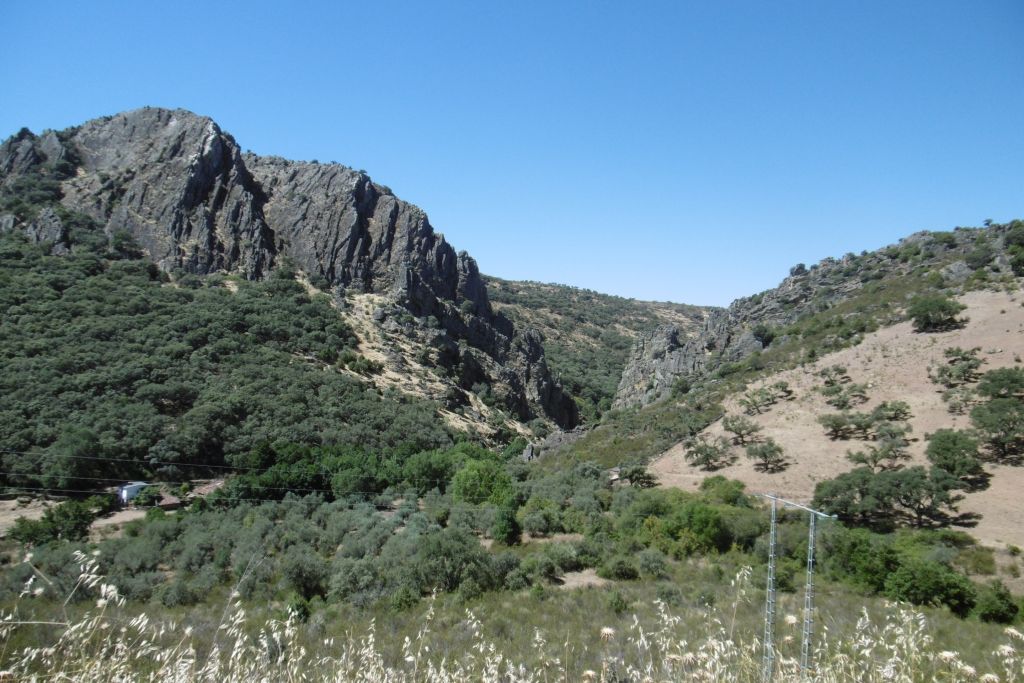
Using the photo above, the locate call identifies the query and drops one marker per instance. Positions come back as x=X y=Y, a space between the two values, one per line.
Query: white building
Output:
x=126 y=492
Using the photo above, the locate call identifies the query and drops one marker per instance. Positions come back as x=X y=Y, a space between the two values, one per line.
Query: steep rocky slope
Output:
x=588 y=335
x=182 y=189
x=665 y=354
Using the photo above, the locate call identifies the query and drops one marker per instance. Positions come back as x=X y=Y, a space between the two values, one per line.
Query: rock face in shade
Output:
x=192 y=200
x=662 y=356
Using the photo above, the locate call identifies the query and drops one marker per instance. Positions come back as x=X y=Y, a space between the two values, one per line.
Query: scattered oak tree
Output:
x=878 y=458
x=892 y=411
x=961 y=367
x=1001 y=423
x=845 y=396
x=957 y=453
x=767 y=455
x=756 y=401
x=743 y=429
x=935 y=313
x=833 y=375
x=880 y=499
x=959 y=399
x=1002 y=383
x=837 y=425
x=709 y=455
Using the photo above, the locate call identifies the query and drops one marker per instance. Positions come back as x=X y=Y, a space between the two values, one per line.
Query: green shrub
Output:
x=718 y=489
x=564 y=556
x=444 y=559
x=506 y=527
x=652 y=563
x=539 y=566
x=178 y=594
x=305 y=571
x=539 y=517
x=921 y=582
x=995 y=604
x=980 y=256
x=68 y=521
x=934 y=313
x=619 y=569
x=1002 y=383
x=863 y=558
x=617 y=602
x=482 y=481
x=705 y=524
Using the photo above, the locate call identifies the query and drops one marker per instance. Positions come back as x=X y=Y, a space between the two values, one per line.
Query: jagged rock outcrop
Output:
x=178 y=185
x=183 y=189
x=662 y=356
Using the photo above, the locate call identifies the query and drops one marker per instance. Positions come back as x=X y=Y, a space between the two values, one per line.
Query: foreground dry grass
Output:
x=104 y=646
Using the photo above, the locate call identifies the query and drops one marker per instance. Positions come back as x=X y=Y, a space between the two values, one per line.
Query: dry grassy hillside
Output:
x=893 y=363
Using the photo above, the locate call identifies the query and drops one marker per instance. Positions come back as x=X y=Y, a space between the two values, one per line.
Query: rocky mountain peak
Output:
x=192 y=200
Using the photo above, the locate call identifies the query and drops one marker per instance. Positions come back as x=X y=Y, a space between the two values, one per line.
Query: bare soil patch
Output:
x=11 y=510
x=553 y=538
x=587 y=578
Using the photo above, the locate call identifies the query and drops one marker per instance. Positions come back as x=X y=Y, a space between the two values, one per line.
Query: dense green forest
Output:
x=107 y=358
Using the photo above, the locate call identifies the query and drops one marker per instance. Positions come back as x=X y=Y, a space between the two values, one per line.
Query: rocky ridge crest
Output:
x=663 y=356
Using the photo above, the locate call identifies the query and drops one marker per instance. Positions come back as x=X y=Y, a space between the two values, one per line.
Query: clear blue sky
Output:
x=689 y=151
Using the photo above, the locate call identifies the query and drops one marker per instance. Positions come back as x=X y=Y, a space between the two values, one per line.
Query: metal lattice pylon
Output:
x=768 y=656
x=808 y=629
